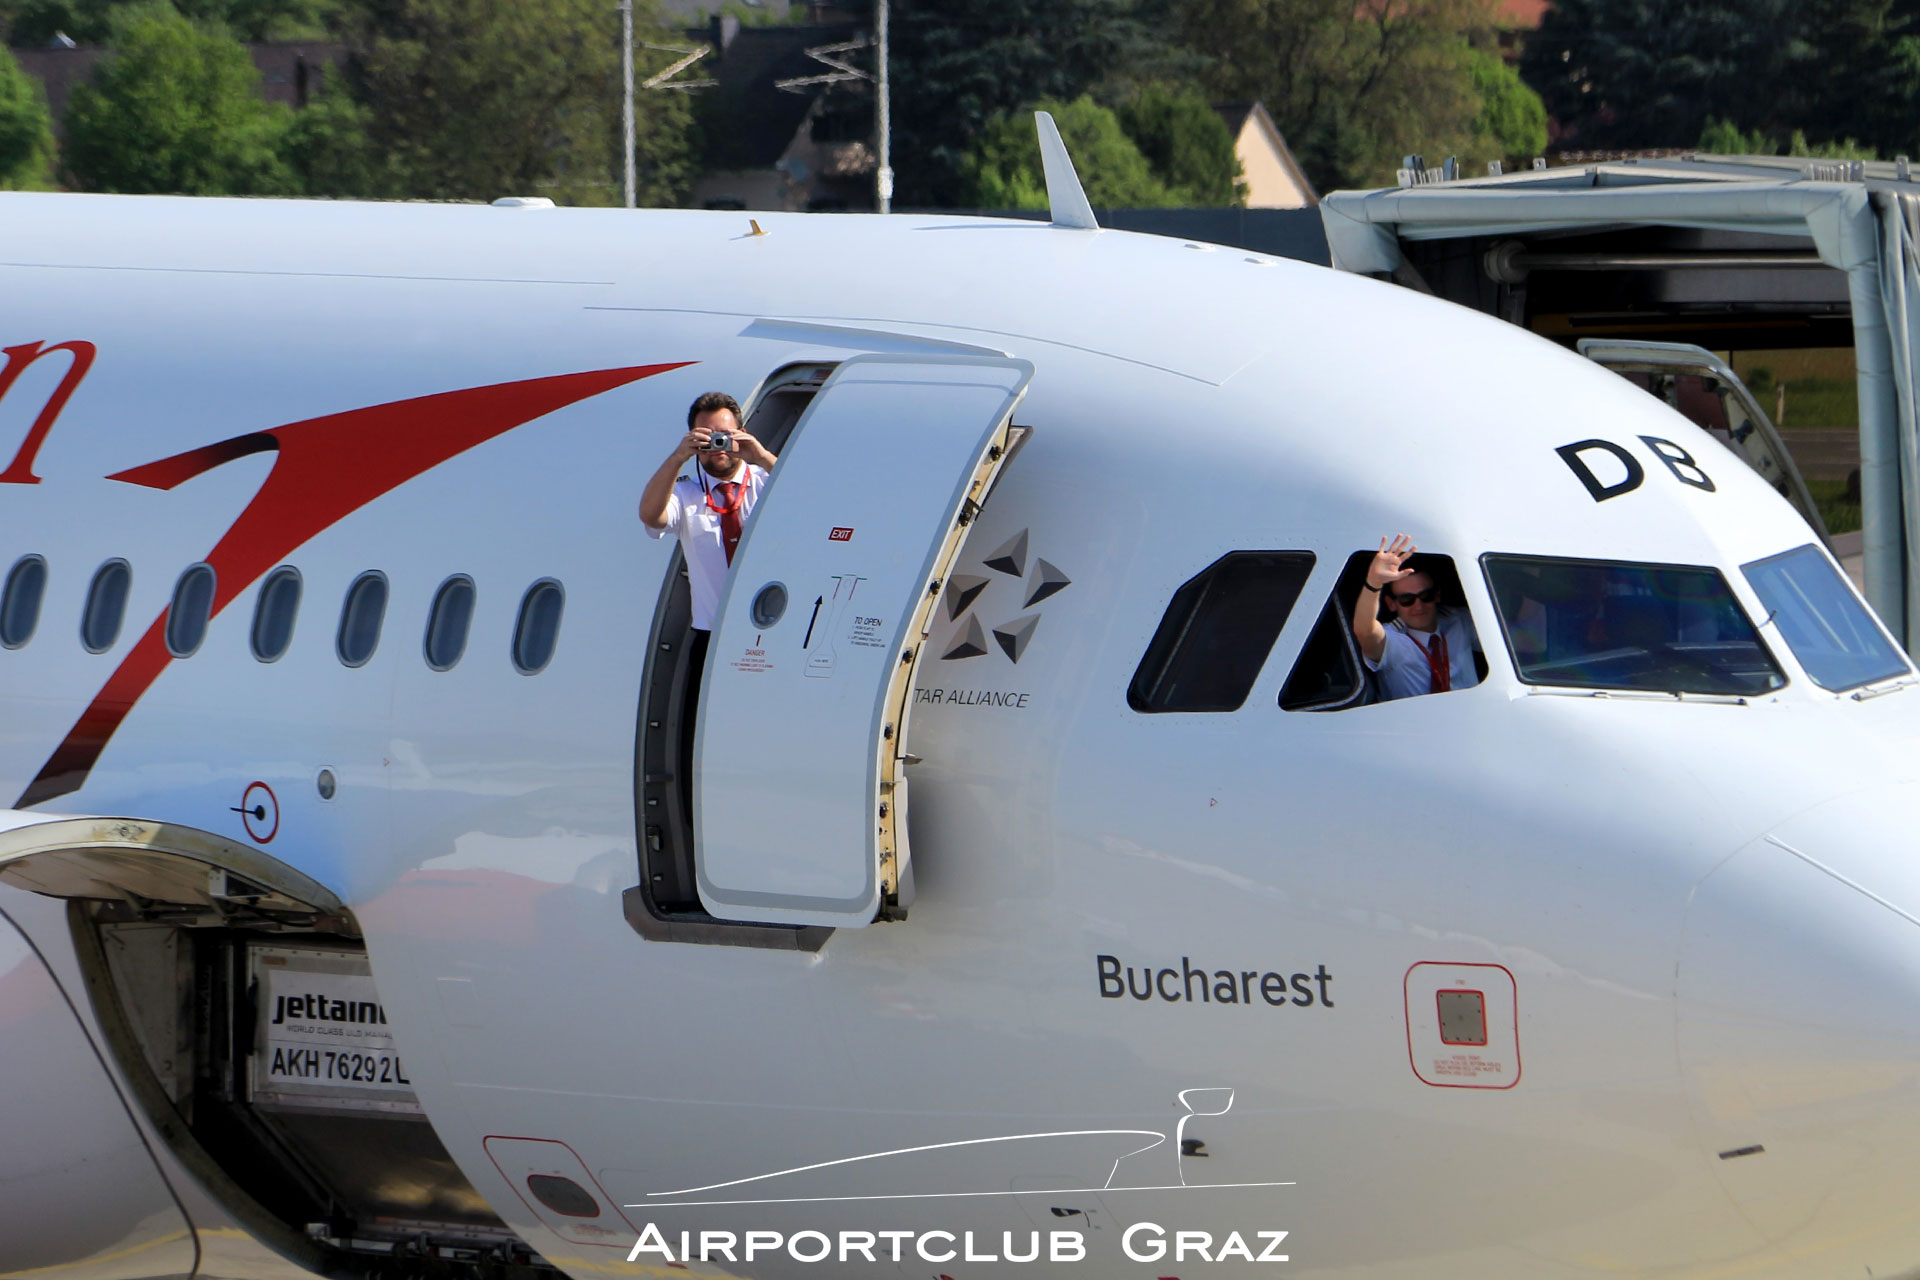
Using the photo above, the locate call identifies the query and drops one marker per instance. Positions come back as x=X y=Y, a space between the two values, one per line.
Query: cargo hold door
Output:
x=799 y=789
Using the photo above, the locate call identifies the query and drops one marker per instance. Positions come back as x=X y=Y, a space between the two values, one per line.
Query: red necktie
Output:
x=731 y=494
x=1437 y=663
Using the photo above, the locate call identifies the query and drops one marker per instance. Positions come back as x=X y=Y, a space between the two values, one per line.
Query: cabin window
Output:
x=106 y=606
x=360 y=618
x=447 y=623
x=538 y=631
x=190 y=611
x=274 y=613
x=1218 y=631
x=1606 y=624
x=1823 y=622
x=20 y=603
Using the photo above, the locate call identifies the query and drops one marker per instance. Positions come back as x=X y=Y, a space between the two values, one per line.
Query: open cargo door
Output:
x=799 y=790
x=1705 y=388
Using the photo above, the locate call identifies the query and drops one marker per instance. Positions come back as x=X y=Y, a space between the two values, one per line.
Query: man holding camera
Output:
x=707 y=509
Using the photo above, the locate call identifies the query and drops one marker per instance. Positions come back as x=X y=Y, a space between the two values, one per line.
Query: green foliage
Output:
x=1004 y=172
x=33 y=22
x=330 y=153
x=476 y=99
x=1741 y=75
x=1512 y=123
x=1352 y=84
x=970 y=61
x=1724 y=138
x=1186 y=143
x=176 y=108
x=26 y=132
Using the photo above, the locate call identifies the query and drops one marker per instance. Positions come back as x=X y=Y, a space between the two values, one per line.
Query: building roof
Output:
x=1521 y=14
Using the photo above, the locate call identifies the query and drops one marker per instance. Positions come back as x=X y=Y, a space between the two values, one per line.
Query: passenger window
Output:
x=538 y=631
x=1218 y=631
x=20 y=603
x=360 y=618
x=273 y=615
x=106 y=606
x=448 y=621
x=190 y=611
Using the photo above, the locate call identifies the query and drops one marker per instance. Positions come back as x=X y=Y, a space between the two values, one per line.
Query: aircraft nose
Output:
x=1798 y=1004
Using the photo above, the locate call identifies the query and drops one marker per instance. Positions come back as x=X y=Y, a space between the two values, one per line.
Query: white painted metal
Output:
x=1684 y=988
x=73 y=1161
x=1064 y=193
x=851 y=539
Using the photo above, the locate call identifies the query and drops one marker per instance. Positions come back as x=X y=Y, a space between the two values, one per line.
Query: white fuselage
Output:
x=1681 y=987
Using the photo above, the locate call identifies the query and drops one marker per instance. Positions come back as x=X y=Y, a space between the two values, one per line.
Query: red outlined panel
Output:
x=554 y=1184
x=1441 y=1003
x=327 y=469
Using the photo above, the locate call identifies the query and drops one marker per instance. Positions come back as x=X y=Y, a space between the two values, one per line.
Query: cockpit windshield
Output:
x=1604 y=624
x=1824 y=623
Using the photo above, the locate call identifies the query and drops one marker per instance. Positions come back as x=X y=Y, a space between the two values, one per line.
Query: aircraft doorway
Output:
x=797 y=766
x=665 y=905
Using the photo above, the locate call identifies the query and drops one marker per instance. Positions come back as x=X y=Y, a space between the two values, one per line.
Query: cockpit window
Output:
x=1823 y=622
x=1601 y=624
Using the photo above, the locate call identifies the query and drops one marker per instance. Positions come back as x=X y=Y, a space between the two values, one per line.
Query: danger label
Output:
x=752 y=660
x=1467 y=1066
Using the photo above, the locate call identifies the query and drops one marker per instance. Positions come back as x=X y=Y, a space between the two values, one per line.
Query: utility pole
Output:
x=883 y=122
x=626 y=108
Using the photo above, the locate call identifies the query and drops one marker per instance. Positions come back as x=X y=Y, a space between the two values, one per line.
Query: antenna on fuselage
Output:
x=1069 y=202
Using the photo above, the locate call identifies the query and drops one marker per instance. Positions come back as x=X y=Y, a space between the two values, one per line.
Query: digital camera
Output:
x=719 y=442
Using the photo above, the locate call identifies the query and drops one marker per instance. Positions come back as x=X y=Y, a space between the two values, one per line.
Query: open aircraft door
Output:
x=1718 y=402
x=800 y=793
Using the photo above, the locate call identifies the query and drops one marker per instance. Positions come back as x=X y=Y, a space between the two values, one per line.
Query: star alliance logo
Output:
x=968 y=637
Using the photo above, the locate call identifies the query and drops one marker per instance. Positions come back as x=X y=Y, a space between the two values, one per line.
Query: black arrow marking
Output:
x=817 y=600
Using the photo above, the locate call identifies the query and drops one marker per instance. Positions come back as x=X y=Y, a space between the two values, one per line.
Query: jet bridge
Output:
x=1725 y=252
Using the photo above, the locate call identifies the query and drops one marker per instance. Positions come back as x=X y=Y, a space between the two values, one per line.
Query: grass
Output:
x=1830 y=496
x=1820 y=389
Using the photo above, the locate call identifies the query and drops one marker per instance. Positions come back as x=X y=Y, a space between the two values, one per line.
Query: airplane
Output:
x=353 y=923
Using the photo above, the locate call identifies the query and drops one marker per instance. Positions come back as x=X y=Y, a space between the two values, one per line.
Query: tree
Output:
x=26 y=133
x=330 y=153
x=476 y=99
x=966 y=62
x=31 y=22
x=176 y=108
x=1724 y=138
x=1353 y=84
x=1652 y=73
x=1512 y=122
x=1003 y=170
x=1187 y=144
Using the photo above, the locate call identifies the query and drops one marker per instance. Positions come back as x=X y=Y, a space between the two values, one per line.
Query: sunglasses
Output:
x=1405 y=598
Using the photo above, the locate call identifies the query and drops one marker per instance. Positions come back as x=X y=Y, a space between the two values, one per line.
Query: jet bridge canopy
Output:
x=1720 y=251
